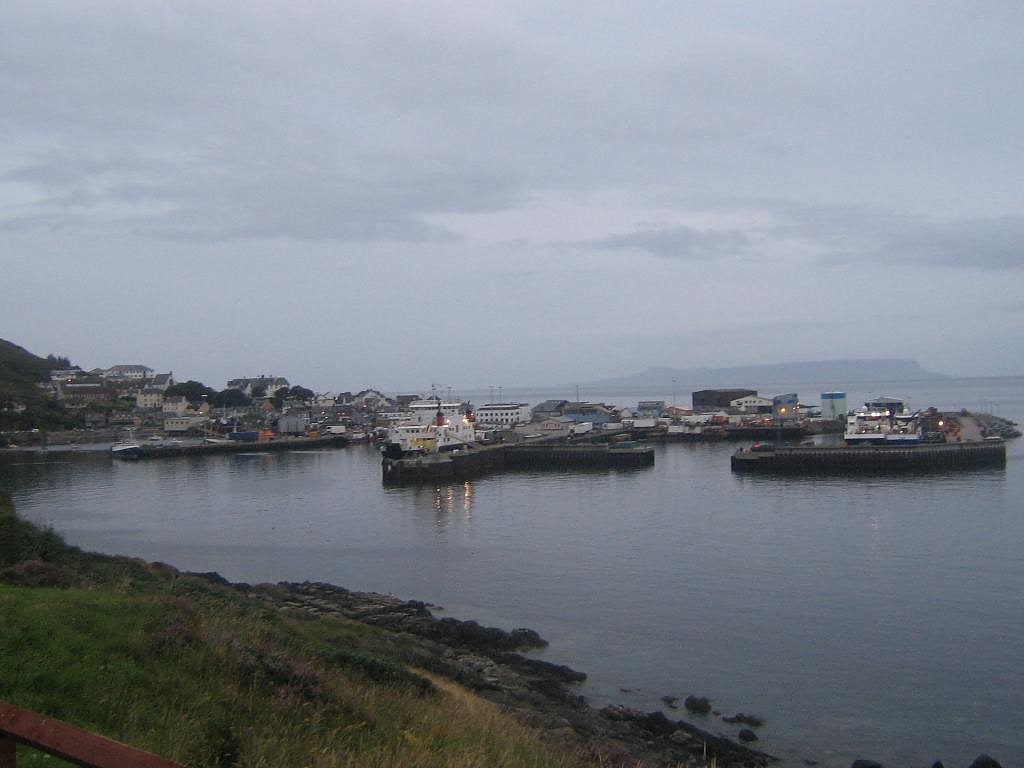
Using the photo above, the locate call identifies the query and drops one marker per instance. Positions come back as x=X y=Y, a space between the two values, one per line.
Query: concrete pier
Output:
x=163 y=450
x=873 y=459
x=465 y=464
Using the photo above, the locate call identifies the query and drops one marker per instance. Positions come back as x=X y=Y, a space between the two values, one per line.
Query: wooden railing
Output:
x=76 y=745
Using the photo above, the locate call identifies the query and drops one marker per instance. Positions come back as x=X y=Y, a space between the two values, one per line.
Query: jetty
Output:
x=169 y=449
x=473 y=461
x=872 y=459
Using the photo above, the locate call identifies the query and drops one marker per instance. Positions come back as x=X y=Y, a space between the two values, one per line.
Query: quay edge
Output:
x=469 y=463
x=989 y=453
x=240 y=446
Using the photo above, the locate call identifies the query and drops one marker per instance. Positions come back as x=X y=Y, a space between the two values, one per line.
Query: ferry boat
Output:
x=883 y=421
x=432 y=427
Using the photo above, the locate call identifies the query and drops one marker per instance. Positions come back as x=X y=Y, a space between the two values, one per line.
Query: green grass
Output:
x=206 y=676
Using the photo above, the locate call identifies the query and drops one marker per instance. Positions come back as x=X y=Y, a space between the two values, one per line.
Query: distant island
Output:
x=841 y=372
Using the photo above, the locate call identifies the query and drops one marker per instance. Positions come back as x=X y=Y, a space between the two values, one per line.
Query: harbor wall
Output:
x=577 y=456
x=463 y=465
x=240 y=446
x=872 y=459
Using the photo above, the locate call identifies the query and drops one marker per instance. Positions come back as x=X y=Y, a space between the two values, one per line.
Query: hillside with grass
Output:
x=20 y=374
x=194 y=671
x=20 y=371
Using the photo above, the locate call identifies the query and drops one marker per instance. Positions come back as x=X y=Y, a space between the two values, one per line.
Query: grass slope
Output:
x=200 y=674
x=20 y=370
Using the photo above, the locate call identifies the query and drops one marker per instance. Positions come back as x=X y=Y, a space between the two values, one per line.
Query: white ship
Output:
x=883 y=422
x=432 y=427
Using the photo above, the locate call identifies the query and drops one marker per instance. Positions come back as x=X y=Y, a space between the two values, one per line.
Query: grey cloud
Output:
x=236 y=200
x=677 y=242
x=855 y=234
x=996 y=243
x=837 y=235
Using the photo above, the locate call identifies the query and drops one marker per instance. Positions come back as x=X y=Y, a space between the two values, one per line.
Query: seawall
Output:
x=468 y=463
x=872 y=459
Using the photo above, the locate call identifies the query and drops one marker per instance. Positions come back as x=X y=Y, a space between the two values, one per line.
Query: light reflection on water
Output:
x=871 y=617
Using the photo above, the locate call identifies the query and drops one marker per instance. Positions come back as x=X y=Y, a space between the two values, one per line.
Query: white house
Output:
x=150 y=397
x=178 y=424
x=128 y=373
x=162 y=381
x=325 y=400
x=176 y=405
x=268 y=384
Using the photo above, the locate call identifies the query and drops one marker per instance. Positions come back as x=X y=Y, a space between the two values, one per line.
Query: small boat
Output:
x=126 y=449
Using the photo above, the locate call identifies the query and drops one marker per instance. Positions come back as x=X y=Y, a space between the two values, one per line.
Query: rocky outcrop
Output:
x=698 y=705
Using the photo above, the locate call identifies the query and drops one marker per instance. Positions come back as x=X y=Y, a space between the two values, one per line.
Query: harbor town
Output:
x=437 y=436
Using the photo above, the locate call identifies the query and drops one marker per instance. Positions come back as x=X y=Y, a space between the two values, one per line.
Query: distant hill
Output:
x=840 y=372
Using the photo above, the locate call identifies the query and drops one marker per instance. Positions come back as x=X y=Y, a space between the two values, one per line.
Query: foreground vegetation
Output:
x=198 y=673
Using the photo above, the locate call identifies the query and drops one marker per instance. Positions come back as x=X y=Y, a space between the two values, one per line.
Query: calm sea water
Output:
x=872 y=617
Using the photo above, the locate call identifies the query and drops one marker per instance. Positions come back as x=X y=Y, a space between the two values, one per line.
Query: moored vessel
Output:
x=127 y=448
x=432 y=427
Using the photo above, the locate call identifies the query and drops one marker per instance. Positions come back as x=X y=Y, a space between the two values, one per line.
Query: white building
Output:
x=325 y=400
x=833 y=405
x=752 y=404
x=504 y=414
x=175 y=405
x=128 y=373
x=178 y=424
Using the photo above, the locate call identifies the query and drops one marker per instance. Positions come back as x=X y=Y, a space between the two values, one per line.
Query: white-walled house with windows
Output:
x=504 y=414
x=175 y=405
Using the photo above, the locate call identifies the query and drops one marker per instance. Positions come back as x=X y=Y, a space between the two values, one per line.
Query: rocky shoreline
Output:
x=488 y=661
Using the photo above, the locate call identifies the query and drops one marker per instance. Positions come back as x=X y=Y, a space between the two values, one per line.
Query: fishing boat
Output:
x=127 y=448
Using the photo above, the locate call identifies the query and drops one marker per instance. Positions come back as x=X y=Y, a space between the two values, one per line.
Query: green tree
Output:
x=58 y=362
x=294 y=393
x=230 y=398
x=301 y=393
x=193 y=391
x=279 y=397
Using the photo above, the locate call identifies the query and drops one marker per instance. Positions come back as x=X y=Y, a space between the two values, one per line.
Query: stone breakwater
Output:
x=487 y=661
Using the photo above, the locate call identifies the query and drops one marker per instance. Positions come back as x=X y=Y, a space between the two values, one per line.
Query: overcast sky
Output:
x=476 y=194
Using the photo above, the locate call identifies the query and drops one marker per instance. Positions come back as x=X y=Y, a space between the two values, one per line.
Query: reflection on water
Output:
x=449 y=499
